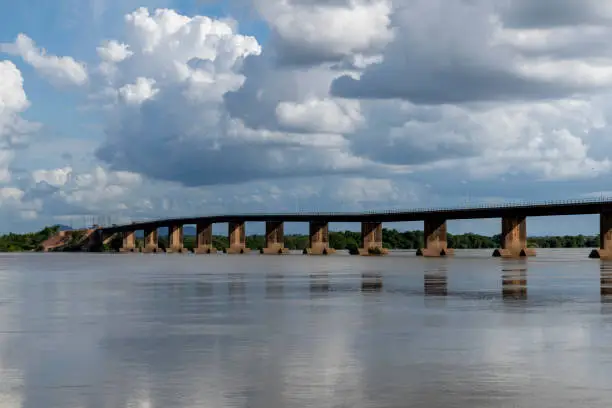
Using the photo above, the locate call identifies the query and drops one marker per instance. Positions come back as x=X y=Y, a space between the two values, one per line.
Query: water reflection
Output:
x=99 y=337
x=371 y=282
x=236 y=286
x=436 y=282
x=606 y=281
x=204 y=289
x=514 y=282
x=274 y=285
x=605 y=271
x=319 y=284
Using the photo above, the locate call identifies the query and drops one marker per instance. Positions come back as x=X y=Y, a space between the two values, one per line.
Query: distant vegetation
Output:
x=349 y=240
x=26 y=242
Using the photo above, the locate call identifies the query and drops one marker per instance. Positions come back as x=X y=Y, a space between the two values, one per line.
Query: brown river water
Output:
x=110 y=330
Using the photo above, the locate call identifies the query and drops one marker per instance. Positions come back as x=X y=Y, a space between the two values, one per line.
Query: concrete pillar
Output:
x=129 y=242
x=175 y=239
x=204 y=239
x=514 y=238
x=94 y=241
x=436 y=243
x=150 y=237
x=275 y=238
x=237 y=238
x=605 y=237
x=371 y=238
x=319 y=239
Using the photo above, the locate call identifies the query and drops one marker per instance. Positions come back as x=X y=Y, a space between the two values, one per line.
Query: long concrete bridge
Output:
x=513 y=228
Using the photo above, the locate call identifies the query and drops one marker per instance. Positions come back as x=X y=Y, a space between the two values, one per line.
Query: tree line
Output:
x=26 y=242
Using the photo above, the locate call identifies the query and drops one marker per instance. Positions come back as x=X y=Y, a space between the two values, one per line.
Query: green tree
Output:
x=337 y=240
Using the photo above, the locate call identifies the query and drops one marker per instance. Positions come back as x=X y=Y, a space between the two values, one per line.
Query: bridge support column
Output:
x=129 y=242
x=275 y=238
x=150 y=237
x=95 y=241
x=371 y=237
x=175 y=239
x=204 y=239
x=436 y=243
x=237 y=238
x=514 y=238
x=319 y=239
x=605 y=237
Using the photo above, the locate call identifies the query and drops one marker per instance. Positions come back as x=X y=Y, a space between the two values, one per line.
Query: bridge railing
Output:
x=420 y=210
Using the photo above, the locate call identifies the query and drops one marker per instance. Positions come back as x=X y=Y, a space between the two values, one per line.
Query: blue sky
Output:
x=199 y=107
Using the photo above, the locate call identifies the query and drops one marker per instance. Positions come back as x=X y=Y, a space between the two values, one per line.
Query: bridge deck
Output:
x=570 y=207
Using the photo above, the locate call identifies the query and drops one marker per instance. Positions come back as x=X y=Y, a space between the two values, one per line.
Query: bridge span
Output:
x=513 y=228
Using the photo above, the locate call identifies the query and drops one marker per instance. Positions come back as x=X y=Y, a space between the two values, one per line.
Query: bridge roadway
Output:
x=513 y=216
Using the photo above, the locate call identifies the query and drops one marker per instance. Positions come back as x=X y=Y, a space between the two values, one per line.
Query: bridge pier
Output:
x=175 y=239
x=514 y=238
x=101 y=238
x=237 y=238
x=129 y=242
x=95 y=241
x=275 y=238
x=151 y=240
x=319 y=239
x=435 y=236
x=204 y=239
x=605 y=237
x=372 y=239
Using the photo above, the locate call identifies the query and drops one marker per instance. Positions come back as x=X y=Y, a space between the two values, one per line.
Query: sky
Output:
x=130 y=110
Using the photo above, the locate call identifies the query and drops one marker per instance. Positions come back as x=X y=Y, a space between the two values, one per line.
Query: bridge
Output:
x=513 y=228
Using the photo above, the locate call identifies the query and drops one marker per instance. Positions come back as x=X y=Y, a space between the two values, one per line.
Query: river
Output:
x=111 y=330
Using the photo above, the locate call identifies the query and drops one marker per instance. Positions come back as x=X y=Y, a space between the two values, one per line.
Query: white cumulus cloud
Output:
x=14 y=130
x=323 y=31
x=59 y=70
x=314 y=115
x=179 y=116
x=113 y=51
x=55 y=177
x=137 y=93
